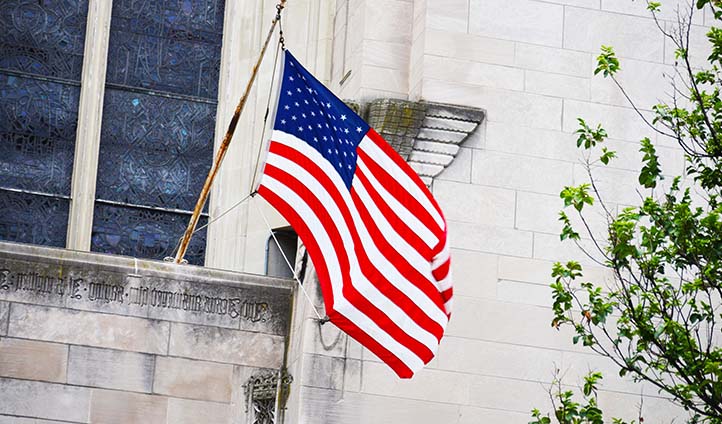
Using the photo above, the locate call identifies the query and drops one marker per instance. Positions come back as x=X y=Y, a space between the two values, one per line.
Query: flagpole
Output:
x=225 y=143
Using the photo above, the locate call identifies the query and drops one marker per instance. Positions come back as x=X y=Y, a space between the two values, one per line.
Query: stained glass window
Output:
x=158 y=124
x=41 y=57
x=143 y=232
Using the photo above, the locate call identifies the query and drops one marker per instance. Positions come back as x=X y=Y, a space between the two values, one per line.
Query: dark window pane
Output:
x=155 y=151
x=143 y=233
x=38 y=120
x=276 y=265
x=41 y=59
x=43 y=37
x=158 y=124
x=167 y=45
x=36 y=219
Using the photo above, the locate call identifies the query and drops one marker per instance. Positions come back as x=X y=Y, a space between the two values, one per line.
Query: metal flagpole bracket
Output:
x=322 y=321
x=185 y=241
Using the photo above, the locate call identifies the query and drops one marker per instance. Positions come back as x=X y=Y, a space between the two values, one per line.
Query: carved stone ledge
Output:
x=92 y=282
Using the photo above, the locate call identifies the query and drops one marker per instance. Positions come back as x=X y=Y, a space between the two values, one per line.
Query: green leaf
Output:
x=577 y=196
x=651 y=171
x=607 y=155
x=588 y=136
x=567 y=229
x=590 y=382
x=607 y=62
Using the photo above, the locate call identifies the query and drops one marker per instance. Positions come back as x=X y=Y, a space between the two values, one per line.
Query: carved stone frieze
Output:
x=145 y=289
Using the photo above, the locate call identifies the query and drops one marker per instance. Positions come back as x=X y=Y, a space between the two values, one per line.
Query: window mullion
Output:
x=90 y=113
x=241 y=44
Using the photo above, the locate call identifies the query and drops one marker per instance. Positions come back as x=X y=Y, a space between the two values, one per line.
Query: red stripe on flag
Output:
x=442 y=271
x=368 y=268
x=316 y=254
x=447 y=294
x=399 y=262
x=350 y=293
x=402 y=194
x=396 y=222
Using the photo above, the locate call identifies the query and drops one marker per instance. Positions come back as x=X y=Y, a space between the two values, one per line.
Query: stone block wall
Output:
x=89 y=338
x=529 y=65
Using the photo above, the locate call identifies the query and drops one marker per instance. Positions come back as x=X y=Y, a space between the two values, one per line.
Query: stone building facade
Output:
x=110 y=339
x=529 y=65
x=524 y=66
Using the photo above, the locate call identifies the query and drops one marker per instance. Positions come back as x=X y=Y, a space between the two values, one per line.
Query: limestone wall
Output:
x=529 y=64
x=103 y=339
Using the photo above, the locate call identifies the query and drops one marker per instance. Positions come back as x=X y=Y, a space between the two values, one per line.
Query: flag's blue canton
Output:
x=309 y=111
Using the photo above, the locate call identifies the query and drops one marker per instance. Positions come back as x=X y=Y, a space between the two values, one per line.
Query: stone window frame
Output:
x=90 y=114
x=275 y=264
x=234 y=61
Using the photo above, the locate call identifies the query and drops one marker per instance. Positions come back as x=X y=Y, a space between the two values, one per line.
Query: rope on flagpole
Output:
x=285 y=258
x=281 y=44
x=185 y=241
x=268 y=109
x=238 y=203
x=224 y=213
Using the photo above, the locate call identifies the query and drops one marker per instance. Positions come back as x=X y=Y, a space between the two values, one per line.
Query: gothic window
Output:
x=41 y=57
x=266 y=394
x=156 y=141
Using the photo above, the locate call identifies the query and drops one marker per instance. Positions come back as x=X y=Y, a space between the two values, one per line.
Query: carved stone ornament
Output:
x=266 y=394
x=427 y=135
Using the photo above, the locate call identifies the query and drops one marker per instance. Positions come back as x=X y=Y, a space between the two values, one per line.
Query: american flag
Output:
x=375 y=234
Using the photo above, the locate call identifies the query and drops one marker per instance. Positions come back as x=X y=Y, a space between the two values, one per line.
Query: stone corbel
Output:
x=426 y=134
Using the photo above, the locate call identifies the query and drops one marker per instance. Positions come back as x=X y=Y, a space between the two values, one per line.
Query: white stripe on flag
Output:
x=412 y=255
x=445 y=283
x=374 y=254
x=383 y=160
x=341 y=305
x=441 y=257
x=449 y=304
x=361 y=283
x=403 y=212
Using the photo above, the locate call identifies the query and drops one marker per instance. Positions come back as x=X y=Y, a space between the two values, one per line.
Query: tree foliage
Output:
x=660 y=321
x=567 y=410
